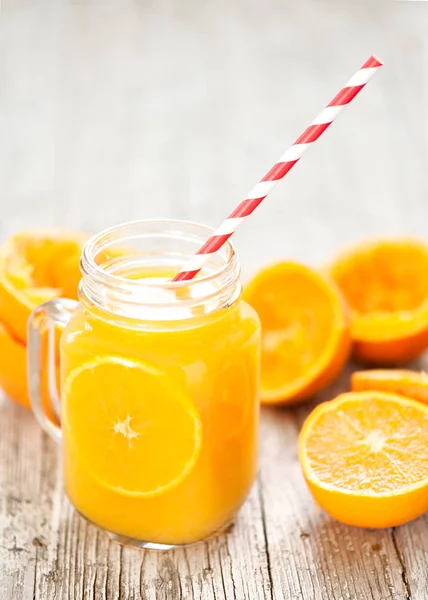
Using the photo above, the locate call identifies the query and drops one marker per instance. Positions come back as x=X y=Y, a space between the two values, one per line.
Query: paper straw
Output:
x=280 y=169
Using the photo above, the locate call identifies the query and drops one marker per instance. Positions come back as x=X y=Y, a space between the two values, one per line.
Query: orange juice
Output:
x=160 y=393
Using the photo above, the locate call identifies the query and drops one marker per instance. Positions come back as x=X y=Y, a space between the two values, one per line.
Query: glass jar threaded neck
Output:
x=127 y=272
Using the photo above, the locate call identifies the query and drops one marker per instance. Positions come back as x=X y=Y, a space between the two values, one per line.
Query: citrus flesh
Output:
x=36 y=266
x=305 y=336
x=386 y=288
x=135 y=433
x=365 y=458
x=13 y=368
x=412 y=384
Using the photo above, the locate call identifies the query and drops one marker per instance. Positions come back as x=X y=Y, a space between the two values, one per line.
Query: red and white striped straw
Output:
x=280 y=169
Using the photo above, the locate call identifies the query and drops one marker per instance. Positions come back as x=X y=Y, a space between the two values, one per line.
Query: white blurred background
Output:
x=113 y=110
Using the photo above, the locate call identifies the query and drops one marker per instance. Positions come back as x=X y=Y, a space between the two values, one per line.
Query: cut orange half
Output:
x=305 y=335
x=134 y=431
x=413 y=384
x=36 y=266
x=13 y=367
x=365 y=458
x=386 y=286
x=13 y=373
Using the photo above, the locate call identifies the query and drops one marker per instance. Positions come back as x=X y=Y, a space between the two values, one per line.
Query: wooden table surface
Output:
x=112 y=110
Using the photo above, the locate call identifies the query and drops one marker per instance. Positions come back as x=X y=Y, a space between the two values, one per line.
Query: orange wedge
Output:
x=364 y=456
x=413 y=384
x=386 y=286
x=135 y=432
x=305 y=335
x=36 y=266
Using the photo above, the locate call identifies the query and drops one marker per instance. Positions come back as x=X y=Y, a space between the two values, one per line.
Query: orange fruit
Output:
x=364 y=456
x=305 y=334
x=135 y=432
x=386 y=287
x=413 y=384
x=13 y=373
x=13 y=367
x=36 y=266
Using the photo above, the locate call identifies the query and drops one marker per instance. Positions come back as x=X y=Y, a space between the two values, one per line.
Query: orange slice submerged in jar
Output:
x=136 y=433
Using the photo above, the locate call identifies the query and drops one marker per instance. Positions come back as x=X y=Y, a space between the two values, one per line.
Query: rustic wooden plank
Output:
x=411 y=545
x=86 y=564
x=312 y=556
x=21 y=455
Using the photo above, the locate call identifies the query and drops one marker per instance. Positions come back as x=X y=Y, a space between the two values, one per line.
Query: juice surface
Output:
x=160 y=420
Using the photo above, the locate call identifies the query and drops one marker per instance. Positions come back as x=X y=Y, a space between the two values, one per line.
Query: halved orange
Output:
x=13 y=367
x=36 y=266
x=386 y=286
x=13 y=373
x=136 y=433
x=305 y=334
x=413 y=384
x=364 y=456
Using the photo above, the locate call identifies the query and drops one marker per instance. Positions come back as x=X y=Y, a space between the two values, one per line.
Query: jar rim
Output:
x=163 y=243
x=89 y=267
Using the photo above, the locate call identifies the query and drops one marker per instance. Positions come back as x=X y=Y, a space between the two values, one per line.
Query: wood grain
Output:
x=112 y=110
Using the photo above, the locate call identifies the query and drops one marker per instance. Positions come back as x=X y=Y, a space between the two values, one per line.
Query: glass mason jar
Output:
x=159 y=385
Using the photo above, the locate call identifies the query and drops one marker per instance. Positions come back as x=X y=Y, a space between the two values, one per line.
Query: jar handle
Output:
x=42 y=322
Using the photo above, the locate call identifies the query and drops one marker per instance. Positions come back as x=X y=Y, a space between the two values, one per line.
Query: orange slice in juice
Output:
x=365 y=458
x=133 y=430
